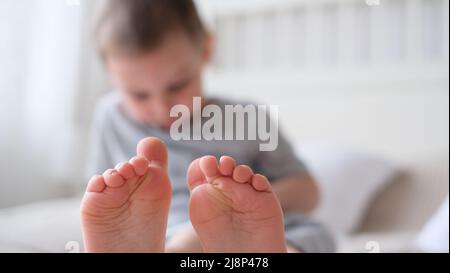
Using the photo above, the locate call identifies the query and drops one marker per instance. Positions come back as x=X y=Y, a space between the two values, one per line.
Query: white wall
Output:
x=49 y=81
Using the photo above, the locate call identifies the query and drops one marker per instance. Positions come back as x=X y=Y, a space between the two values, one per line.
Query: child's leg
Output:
x=184 y=240
x=307 y=235
x=126 y=209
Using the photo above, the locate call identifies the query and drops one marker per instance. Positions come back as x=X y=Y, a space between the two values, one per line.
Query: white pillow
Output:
x=348 y=181
x=434 y=236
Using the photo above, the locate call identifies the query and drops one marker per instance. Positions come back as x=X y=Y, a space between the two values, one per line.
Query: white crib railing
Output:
x=261 y=35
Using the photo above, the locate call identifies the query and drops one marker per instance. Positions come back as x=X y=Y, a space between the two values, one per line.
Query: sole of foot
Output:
x=232 y=209
x=126 y=208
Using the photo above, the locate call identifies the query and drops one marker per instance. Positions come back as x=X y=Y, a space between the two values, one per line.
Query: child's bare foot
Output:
x=232 y=209
x=125 y=209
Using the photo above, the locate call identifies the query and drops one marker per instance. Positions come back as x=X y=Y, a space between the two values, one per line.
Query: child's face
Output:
x=151 y=83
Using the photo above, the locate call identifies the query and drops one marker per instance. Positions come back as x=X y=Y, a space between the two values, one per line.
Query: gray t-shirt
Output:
x=115 y=136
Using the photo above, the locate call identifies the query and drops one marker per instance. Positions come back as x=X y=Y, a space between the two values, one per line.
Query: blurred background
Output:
x=360 y=82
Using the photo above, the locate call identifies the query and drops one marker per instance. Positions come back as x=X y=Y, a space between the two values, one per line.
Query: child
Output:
x=155 y=52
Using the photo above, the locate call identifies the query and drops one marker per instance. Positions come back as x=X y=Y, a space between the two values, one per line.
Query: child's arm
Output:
x=298 y=193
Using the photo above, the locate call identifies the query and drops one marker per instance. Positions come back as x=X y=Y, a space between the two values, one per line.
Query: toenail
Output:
x=113 y=172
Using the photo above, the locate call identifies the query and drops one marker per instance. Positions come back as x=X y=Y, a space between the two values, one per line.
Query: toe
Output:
x=242 y=173
x=154 y=150
x=195 y=176
x=113 y=179
x=209 y=167
x=96 y=184
x=227 y=165
x=260 y=183
x=126 y=170
x=140 y=165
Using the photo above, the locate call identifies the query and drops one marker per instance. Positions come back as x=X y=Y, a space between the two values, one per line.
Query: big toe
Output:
x=202 y=170
x=154 y=150
x=210 y=168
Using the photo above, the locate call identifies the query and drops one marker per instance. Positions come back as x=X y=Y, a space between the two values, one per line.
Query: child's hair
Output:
x=137 y=26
